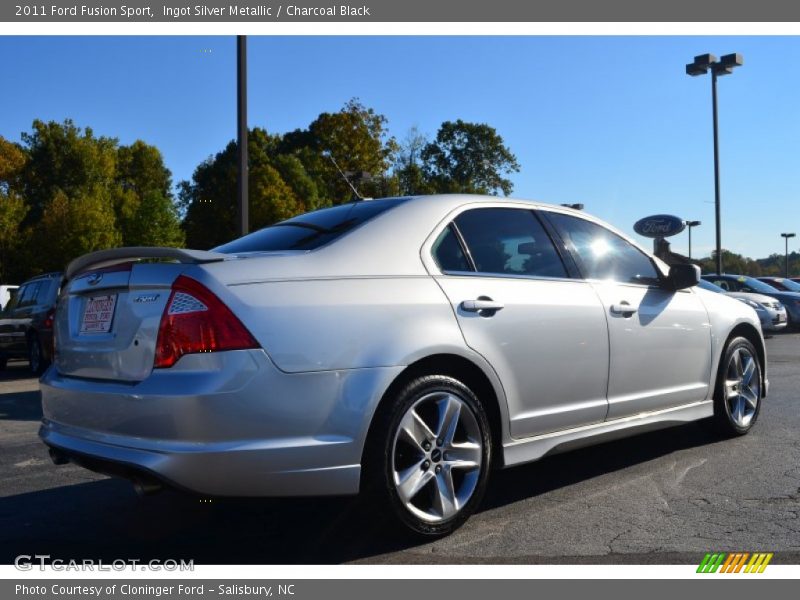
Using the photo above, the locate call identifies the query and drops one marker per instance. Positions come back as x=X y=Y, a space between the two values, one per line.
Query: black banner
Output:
x=149 y=11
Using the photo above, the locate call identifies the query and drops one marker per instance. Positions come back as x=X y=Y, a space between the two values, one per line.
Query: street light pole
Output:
x=717 y=209
x=786 y=237
x=724 y=66
x=689 y=225
x=241 y=114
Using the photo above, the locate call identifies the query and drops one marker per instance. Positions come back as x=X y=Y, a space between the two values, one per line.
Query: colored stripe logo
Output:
x=735 y=562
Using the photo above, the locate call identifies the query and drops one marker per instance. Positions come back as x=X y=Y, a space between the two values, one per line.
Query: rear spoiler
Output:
x=107 y=258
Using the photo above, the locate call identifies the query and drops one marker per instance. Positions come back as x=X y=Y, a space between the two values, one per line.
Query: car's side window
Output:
x=14 y=302
x=733 y=286
x=28 y=294
x=723 y=284
x=447 y=252
x=509 y=241
x=603 y=254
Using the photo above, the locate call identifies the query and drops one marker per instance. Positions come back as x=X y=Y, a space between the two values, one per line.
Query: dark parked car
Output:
x=26 y=323
x=781 y=283
x=742 y=283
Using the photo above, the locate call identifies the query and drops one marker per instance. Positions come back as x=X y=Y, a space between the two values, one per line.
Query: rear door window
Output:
x=509 y=241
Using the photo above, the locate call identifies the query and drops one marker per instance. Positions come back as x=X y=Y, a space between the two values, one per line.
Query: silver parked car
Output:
x=770 y=311
x=751 y=285
x=398 y=347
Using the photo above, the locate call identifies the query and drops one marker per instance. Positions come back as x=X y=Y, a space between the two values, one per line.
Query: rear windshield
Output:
x=311 y=230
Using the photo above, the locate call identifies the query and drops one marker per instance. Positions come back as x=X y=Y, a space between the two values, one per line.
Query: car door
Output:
x=23 y=315
x=543 y=332
x=16 y=317
x=660 y=339
x=7 y=323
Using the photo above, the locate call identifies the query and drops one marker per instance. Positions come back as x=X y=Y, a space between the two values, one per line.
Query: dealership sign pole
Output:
x=241 y=105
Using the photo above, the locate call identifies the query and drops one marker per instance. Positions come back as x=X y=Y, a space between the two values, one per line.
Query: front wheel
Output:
x=737 y=398
x=429 y=456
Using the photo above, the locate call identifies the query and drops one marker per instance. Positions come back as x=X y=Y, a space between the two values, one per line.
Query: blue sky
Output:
x=612 y=122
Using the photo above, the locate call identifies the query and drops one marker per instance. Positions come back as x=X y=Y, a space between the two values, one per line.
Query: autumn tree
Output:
x=356 y=138
x=65 y=191
x=13 y=210
x=72 y=226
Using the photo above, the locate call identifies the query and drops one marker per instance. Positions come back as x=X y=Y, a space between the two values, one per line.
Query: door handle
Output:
x=481 y=304
x=623 y=308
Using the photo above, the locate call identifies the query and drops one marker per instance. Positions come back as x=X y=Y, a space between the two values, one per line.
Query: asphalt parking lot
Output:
x=664 y=497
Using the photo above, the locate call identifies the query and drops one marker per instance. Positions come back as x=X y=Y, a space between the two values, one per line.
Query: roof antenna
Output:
x=356 y=195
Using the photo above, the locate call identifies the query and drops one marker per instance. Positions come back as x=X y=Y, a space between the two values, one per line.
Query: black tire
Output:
x=36 y=360
x=3 y=362
x=737 y=390
x=389 y=454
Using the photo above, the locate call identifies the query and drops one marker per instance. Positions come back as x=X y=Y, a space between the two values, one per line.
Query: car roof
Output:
x=51 y=275
x=453 y=201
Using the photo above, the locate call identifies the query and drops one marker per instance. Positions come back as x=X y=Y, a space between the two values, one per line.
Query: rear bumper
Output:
x=225 y=424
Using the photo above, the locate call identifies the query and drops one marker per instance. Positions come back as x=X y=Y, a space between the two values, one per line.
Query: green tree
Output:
x=357 y=139
x=469 y=158
x=732 y=263
x=65 y=158
x=143 y=202
x=154 y=222
x=409 y=170
x=279 y=188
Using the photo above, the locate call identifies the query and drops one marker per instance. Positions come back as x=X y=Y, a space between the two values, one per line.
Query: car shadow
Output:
x=16 y=370
x=21 y=406
x=562 y=470
x=104 y=519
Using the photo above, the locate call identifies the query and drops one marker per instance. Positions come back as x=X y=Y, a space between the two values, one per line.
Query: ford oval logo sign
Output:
x=659 y=226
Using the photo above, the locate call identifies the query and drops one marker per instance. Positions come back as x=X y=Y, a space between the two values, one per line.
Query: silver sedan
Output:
x=770 y=311
x=400 y=348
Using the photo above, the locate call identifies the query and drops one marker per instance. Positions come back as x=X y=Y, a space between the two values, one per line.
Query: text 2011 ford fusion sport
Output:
x=400 y=348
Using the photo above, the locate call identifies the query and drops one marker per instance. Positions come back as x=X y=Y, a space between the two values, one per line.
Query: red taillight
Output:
x=48 y=318
x=194 y=321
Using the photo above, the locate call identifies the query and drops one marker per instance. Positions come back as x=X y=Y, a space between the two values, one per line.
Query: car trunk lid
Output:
x=108 y=315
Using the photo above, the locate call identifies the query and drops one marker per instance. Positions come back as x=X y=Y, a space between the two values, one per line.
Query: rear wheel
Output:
x=737 y=399
x=429 y=455
x=36 y=358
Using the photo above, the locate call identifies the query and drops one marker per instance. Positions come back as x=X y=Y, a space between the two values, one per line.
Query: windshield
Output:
x=311 y=230
x=750 y=284
x=707 y=285
x=791 y=286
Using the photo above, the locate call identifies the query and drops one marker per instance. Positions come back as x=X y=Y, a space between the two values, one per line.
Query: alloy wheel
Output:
x=742 y=387
x=436 y=456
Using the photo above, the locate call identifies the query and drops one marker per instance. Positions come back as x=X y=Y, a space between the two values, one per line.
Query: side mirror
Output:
x=683 y=276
